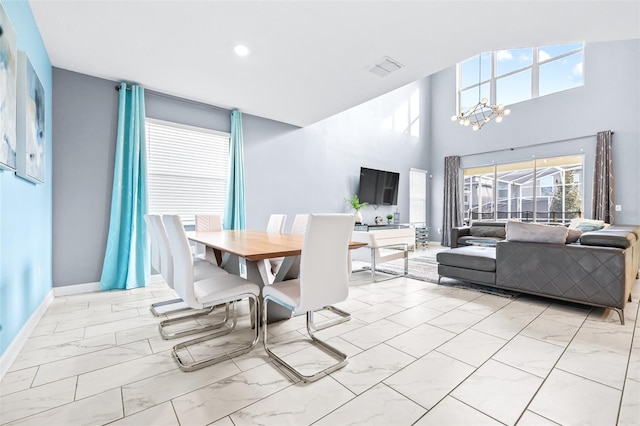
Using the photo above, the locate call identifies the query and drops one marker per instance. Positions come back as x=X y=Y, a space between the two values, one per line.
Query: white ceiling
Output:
x=308 y=58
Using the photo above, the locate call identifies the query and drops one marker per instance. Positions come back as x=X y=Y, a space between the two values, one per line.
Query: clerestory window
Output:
x=515 y=75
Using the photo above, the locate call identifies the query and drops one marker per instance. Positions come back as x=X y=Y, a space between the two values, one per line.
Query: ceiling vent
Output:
x=384 y=67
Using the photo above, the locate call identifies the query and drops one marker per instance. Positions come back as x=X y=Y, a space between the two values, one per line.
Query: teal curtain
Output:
x=126 y=260
x=234 y=211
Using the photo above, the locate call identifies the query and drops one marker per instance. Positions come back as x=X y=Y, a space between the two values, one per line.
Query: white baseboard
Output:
x=76 y=289
x=18 y=342
x=68 y=290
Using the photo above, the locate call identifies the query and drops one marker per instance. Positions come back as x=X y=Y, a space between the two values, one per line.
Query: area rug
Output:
x=425 y=268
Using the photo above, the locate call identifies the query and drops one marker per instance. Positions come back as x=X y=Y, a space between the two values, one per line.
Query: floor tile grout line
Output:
x=90 y=371
x=552 y=369
x=626 y=373
x=487 y=360
x=355 y=396
x=479 y=411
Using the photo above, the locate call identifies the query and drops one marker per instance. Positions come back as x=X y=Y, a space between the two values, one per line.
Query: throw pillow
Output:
x=577 y=221
x=573 y=235
x=588 y=227
x=536 y=233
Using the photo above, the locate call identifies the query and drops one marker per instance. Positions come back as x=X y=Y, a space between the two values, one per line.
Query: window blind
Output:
x=187 y=169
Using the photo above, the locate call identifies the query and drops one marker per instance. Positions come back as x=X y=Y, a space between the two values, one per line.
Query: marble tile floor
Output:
x=420 y=354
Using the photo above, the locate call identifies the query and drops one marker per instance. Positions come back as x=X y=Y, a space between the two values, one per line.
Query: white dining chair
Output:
x=323 y=281
x=275 y=225
x=205 y=294
x=206 y=222
x=298 y=227
x=156 y=263
x=164 y=265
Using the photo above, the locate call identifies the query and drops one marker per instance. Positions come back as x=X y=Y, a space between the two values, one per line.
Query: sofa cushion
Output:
x=629 y=228
x=573 y=235
x=536 y=233
x=620 y=239
x=488 y=231
x=476 y=258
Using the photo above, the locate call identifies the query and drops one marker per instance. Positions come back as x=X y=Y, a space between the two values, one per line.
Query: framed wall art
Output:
x=30 y=161
x=8 y=81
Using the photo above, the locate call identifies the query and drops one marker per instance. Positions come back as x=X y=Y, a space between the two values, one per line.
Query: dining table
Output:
x=244 y=252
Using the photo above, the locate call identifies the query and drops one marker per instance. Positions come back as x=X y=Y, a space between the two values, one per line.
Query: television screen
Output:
x=378 y=187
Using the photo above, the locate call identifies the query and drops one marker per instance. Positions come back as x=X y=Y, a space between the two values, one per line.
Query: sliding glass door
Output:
x=540 y=190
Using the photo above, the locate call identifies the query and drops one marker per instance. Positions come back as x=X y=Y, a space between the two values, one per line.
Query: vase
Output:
x=358 y=216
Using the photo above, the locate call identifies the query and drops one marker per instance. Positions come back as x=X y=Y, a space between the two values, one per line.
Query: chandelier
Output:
x=482 y=112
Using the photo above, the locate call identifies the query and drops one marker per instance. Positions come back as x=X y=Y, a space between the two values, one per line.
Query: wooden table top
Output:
x=254 y=245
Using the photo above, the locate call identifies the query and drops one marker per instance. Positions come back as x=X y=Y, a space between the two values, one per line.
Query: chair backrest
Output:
x=276 y=223
x=324 y=276
x=182 y=260
x=163 y=246
x=208 y=222
x=153 y=238
x=300 y=224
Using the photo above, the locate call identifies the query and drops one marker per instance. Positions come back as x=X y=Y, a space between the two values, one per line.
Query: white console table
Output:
x=378 y=238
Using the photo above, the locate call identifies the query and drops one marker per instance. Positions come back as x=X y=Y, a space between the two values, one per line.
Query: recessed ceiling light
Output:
x=241 y=50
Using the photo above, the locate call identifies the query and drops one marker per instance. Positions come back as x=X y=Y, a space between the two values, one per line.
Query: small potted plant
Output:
x=354 y=201
x=389 y=218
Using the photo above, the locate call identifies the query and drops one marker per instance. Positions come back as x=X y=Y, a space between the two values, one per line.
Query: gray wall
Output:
x=84 y=133
x=287 y=169
x=569 y=121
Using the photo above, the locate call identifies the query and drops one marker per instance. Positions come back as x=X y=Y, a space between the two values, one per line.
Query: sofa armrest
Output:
x=458 y=232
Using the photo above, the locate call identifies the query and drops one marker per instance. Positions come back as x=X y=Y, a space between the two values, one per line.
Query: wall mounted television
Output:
x=378 y=187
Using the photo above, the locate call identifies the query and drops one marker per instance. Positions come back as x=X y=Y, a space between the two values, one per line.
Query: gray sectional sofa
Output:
x=489 y=232
x=599 y=270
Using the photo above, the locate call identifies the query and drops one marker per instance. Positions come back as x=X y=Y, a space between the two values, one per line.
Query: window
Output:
x=187 y=168
x=417 y=196
x=542 y=190
x=516 y=75
x=406 y=117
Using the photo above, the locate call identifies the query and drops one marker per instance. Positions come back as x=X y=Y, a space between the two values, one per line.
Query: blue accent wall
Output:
x=25 y=208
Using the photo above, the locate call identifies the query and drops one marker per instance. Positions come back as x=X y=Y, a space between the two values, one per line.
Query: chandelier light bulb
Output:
x=454 y=117
x=500 y=107
x=499 y=119
x=466 y=122
x=475 y=127
x=461 y=122
x=484 y=101
x=507 y=111
x=487 y=119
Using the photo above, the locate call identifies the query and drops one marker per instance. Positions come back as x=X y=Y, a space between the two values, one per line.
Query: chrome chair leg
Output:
x=227 y=328
x=171 y=321
x=343 y=316
x=342 y=358
x=156 y=305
